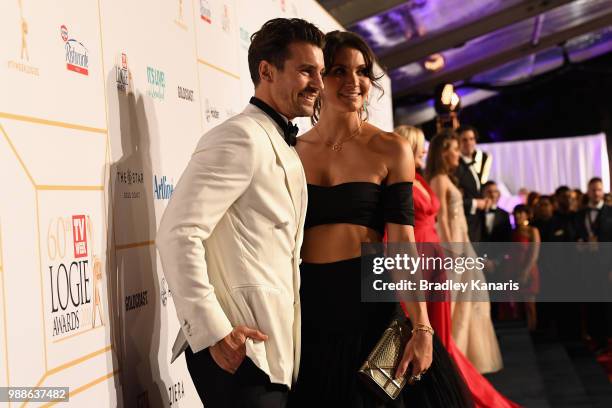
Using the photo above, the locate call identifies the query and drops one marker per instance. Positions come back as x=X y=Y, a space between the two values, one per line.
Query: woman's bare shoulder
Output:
x=386 y=140
x=389 y=144
x=439 y=179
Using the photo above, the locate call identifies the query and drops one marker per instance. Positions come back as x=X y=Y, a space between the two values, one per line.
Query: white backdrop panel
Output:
x=544 y=165
x=103 y=103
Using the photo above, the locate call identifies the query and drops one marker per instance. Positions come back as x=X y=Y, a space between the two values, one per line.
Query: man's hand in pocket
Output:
x=229 y=352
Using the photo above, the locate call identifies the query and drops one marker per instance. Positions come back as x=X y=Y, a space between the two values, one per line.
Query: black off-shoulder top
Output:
x=361 y=203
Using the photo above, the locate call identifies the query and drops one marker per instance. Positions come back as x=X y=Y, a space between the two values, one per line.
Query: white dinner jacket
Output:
x=230 y=239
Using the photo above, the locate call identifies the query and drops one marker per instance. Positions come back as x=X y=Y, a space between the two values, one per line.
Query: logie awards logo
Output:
x=24 y=56
x=75 y=276
x=122 y=74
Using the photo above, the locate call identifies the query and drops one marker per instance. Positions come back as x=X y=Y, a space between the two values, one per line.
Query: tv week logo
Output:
x=79 y=234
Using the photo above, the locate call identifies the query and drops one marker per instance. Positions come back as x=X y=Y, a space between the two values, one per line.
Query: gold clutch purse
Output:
x=379 y=368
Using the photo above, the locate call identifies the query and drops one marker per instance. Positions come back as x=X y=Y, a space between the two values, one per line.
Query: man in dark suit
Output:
x=563 y=225
x=594 y=224
x=496 y=222
x=495 y=228
x=472 y=173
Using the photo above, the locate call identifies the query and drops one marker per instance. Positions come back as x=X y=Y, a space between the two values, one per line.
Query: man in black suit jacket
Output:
x=473 y=171
x=496 y=221
x=563 y=222
x=594 y=224
x=595 y=221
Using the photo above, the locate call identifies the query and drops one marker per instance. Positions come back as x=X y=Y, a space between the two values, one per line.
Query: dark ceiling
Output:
x=475 y=44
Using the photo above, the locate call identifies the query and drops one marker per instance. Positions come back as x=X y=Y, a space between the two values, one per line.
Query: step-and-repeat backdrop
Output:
x=101 y=105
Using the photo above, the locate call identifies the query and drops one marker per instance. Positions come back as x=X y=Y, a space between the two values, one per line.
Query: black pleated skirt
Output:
x=338 y=333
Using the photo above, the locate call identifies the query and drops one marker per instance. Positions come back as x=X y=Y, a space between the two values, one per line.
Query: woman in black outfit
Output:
x=359 y=185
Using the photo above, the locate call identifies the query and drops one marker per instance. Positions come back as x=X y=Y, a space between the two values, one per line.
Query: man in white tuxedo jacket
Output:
x=230 y=238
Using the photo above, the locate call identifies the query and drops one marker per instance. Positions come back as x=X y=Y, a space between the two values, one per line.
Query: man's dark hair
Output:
x=546 y=198
x=465 y=128
x=595 y=180
x=271 y=42
x=561 y=190
x=489 y=183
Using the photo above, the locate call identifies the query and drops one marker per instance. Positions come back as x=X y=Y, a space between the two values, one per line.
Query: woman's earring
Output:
x=364 y=108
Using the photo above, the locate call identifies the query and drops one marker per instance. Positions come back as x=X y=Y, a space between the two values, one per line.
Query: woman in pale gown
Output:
x=472 y=328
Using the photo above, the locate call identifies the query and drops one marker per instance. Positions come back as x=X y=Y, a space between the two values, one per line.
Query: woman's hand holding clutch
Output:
x=418 y=353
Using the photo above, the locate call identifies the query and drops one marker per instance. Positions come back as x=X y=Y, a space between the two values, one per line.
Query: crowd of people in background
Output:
x=568 y=215
x=254 y=249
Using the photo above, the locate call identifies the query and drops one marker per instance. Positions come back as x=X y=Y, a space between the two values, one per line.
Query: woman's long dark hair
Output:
x=436 y=164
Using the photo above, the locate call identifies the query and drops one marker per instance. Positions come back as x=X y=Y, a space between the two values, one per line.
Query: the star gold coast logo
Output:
x=77 y=59
x=179 y=21
x=75 y=276
x=24 y=56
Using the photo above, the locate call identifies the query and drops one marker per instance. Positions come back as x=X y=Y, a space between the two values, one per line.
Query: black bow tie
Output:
x=290 y=130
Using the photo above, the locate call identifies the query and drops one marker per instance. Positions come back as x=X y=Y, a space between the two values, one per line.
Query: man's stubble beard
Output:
x=305 y=112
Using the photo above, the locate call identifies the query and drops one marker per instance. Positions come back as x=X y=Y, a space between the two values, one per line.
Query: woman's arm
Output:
x=533 y=253
x=439 y=185
x=419 y=349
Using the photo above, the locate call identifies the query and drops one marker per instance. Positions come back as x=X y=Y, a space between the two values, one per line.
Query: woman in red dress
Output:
x=524 y=268
x=426 y=206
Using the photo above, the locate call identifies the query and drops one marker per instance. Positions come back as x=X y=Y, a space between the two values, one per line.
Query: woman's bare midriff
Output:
x=336 y=242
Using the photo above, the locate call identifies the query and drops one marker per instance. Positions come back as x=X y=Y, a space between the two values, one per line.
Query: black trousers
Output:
x=249 y=387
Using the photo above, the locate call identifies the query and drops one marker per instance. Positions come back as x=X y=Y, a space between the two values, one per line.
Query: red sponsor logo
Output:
x=123 y=61
x=77 y=69
x=79 y=235
x=64 y=31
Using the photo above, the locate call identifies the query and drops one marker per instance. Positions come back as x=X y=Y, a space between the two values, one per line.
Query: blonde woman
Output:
x=426 y=209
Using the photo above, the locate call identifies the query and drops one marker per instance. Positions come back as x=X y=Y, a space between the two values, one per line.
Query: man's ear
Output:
x=266 y=71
